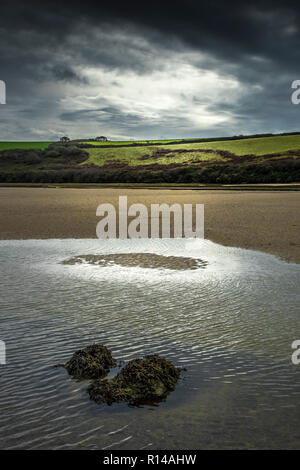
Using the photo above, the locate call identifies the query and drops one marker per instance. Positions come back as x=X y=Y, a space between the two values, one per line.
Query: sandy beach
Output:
x=265 y=221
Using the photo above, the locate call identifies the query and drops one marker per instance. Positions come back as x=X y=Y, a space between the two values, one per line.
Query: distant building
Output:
x=102 y=138
x=64 y=140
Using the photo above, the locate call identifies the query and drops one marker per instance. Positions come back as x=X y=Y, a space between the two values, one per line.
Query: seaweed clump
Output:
x=141 y=381
x=92 y=362
x=142 y=260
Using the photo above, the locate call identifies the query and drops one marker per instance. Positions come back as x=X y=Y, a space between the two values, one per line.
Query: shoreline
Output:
x=266 y=221
x=161 y=186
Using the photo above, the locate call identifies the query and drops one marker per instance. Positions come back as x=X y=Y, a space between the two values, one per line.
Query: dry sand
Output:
x=266 y=221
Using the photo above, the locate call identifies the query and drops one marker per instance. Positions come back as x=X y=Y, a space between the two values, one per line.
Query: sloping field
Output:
x=256 y=146
x=193 y=153
x=162 y=155
x=266 y=159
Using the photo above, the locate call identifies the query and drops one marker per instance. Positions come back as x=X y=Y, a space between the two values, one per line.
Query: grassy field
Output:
x=23 y=145
x=265 y=159
x=256 y=146
x=193 y=153
x=134 y=156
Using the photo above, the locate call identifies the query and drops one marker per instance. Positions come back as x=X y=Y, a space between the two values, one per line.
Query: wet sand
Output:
x=265 y=221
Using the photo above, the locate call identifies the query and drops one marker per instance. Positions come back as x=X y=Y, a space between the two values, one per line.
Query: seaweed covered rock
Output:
x=91 y=363
x=141 y=381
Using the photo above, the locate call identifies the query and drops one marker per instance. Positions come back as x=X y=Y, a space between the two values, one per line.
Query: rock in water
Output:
x=141 y=381
x=92 y=362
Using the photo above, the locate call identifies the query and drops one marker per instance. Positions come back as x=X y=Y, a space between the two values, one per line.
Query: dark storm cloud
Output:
x=91 y=114
x=229 y=29
x=49 y=45
x=65 y=74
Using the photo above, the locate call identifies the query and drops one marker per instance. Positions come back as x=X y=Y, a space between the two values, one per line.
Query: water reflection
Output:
x=231 y=324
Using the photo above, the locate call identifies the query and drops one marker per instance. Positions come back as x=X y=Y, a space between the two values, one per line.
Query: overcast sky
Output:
x=153 y=70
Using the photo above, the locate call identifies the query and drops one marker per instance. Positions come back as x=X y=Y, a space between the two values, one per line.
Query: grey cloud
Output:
x=66 y=74
x=42 y=50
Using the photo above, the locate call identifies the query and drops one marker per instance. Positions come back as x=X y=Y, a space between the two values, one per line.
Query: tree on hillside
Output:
x=65 y=139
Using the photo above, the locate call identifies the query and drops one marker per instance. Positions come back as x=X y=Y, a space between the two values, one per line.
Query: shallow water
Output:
x=231 y=324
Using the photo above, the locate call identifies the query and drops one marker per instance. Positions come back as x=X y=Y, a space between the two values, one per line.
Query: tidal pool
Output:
x=230 y=321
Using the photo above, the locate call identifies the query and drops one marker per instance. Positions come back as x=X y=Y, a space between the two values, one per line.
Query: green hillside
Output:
x=265 y=159
x=194 y=153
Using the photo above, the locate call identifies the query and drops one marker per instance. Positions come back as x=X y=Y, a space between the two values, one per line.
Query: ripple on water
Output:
x=231 y=324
